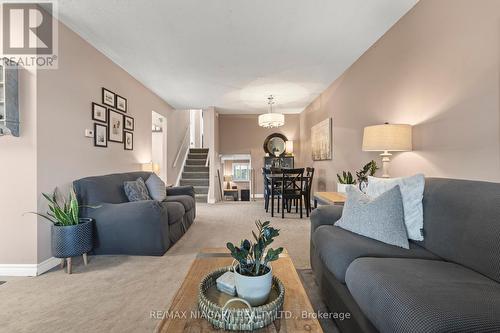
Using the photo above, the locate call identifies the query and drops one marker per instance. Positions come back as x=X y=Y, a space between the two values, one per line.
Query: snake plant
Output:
x=63 y=213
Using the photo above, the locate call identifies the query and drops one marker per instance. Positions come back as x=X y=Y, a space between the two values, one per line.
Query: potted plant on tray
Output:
x=253 y=273
x=71 y=235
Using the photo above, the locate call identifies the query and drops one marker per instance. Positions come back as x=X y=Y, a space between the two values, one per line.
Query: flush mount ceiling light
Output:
x=270 y=119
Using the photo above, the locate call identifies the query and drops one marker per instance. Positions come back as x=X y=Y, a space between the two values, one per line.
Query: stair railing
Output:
x=179 y=151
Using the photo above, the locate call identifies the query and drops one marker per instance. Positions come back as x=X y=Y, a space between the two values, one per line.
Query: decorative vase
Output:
x=72 y=240
x=342 y=188
x=254 y=289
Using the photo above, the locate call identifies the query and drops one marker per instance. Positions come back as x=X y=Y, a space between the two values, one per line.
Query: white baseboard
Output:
x=259 y=195
x=28 y=269
x=47 y=265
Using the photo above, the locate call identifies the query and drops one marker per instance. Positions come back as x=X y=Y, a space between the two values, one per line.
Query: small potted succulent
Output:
x=345 y=180
x=71 y=235
x=253 y=272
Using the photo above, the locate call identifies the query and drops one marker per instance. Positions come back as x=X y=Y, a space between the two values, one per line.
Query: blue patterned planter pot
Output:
x=72 y=241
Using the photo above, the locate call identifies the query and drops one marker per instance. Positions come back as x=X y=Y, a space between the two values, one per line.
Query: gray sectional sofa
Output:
x=134 y=228
x=449 y=282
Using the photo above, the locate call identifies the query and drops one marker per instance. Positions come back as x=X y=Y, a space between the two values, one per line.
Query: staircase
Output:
x=195 y=173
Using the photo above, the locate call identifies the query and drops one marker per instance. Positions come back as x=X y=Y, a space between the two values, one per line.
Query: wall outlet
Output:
x=89 y=133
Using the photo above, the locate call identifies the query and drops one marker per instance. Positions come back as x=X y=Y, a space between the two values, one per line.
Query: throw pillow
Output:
x=412 y=191
x=380 y=218
x=136 y=190
x=156 y=187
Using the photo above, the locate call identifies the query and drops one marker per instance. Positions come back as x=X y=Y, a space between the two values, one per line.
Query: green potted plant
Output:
x=71 y=235
x=345 y=180
x=369 y=169
x=253 y=272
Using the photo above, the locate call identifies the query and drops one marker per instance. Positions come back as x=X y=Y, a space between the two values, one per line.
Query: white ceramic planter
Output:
x=342 y=188
x=254 y=289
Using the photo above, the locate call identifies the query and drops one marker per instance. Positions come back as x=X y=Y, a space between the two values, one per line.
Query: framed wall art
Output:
x=100 y=135
x=108 y=97
x=129 y=141
x=321 y=140
x=129 y=123
x=121 y=103
x=115 y=124
x=99 y=113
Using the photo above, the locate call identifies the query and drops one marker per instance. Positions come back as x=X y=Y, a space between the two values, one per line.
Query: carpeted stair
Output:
x=195 y=173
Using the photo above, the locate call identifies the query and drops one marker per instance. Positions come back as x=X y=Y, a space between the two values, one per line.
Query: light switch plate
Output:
x=89 y=133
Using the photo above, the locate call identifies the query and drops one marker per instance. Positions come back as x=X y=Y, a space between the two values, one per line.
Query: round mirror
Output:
x=275 y=144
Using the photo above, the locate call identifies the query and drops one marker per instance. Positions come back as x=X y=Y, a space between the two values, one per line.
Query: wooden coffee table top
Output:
x=186 y=299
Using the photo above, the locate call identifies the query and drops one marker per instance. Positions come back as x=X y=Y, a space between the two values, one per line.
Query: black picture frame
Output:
x=119 y=100
x=125 y=142
x=96 y=108
x=105 y=128
x=105 y=93
x=115 y=120
x=125 y=125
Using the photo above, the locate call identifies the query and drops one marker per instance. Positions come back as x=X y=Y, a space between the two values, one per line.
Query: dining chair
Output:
x=274 y=187
x=267 y=187
x=308 y=189
x=292 y=189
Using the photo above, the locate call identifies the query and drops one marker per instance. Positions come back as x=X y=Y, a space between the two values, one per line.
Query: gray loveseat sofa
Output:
x=450 y=282
x=134 y=228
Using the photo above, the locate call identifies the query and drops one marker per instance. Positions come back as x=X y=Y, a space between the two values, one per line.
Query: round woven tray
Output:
x=235 y=314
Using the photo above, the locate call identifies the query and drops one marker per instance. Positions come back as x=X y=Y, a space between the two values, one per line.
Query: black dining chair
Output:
x=267 y=187
x=274 y=188
x=292 y=189
x=308 y=189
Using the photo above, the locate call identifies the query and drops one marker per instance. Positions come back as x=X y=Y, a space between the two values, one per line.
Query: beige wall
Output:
x=437 y=69
x=18 y=191
x=62 y=153
x=241 y=134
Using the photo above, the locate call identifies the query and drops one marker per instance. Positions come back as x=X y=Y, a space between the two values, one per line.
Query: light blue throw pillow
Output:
x=412 y=192
x=156 y=187
x=136 y=190
x=380 y=218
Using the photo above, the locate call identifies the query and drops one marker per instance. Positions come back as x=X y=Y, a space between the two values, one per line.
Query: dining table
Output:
x=276 y=179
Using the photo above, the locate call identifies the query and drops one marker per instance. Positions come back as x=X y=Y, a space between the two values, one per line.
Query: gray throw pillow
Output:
x=156 y=187
x=136 y=190
x=380 y=218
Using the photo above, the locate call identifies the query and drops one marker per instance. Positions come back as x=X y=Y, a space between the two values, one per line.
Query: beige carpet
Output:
x=117 y=293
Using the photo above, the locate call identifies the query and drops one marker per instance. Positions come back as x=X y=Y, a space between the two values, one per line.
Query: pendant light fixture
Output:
x=270 y=119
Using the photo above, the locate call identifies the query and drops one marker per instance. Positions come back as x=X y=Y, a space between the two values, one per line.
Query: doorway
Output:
x=196 y=129
x=159 y=145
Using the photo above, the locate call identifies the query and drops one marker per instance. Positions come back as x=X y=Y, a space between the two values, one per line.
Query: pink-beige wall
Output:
x=437 y=69
x=18 y=191
x=241 y=134
x=57 y=151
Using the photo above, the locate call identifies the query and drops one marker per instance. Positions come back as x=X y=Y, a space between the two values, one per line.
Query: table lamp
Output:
x=289 y=147
x=228 y=179
x=151 y=167
x=387 y=138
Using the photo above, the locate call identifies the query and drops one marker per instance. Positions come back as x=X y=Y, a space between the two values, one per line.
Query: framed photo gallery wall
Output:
x=111 y=123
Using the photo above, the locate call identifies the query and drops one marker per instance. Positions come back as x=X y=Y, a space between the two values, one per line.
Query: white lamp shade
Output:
x=151 y=167
x=270 y=120
x=289 y=147
x=387 y=137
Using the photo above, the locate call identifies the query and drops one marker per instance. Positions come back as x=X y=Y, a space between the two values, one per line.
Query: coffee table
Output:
x=186 y=300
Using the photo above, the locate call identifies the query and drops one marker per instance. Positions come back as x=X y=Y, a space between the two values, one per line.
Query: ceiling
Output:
x=232 y=54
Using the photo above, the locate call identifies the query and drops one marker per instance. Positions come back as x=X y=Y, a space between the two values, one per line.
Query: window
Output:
x=241 y=172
